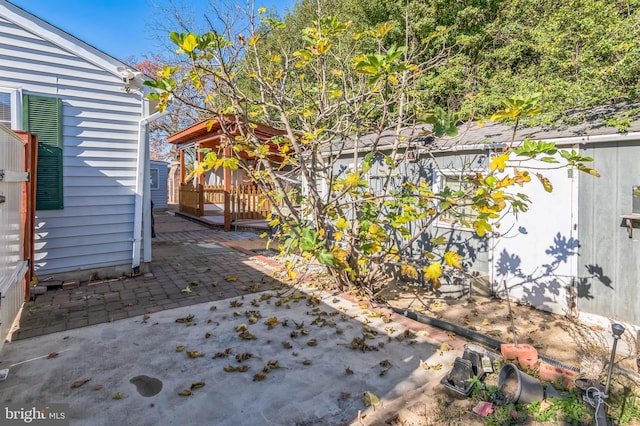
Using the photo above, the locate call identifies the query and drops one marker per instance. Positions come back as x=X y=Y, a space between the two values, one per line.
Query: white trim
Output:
x=15 y=95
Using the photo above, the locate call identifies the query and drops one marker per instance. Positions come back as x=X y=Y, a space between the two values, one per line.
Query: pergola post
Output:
x=200 y=185
x=182 y=167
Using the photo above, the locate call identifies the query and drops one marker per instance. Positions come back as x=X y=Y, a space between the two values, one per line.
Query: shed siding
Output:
x=462 y=240
x=609 y=270
x=159 y=195
x=100 y=133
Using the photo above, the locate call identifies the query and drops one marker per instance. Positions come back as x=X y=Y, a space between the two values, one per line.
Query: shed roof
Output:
x=211 y=134
x=584 y=124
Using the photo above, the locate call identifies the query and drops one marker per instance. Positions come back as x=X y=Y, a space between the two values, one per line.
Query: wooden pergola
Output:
x=240 y=201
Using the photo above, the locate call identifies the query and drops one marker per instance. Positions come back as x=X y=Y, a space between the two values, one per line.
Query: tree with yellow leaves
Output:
x=341 y=83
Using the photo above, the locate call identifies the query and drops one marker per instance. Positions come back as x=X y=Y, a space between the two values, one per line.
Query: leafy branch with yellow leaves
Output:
x=336 y=86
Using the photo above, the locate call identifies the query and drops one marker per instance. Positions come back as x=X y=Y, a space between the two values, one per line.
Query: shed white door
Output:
x=536 y=253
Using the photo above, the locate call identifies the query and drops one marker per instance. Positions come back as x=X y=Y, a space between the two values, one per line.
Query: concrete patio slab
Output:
x=309 y=357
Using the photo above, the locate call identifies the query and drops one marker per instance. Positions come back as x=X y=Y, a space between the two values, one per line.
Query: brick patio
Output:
x=186 y=254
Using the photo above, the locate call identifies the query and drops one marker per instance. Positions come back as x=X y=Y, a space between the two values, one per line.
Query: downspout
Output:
x=142 y=211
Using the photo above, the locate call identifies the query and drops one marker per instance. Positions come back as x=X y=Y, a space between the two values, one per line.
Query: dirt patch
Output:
x=560 y=338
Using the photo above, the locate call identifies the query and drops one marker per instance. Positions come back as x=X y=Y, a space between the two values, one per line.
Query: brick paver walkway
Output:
x=191 y=264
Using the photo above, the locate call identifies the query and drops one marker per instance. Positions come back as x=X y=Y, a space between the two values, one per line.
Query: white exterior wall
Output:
x=536 y=253
x=100 y=141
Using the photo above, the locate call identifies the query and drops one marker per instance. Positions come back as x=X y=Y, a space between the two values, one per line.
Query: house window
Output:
x=5 y=109
x=454 y=183
x=155 y=182
x=43 y=116
x=10 y=111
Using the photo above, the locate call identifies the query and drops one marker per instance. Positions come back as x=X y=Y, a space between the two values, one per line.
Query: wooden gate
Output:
x=17 y=216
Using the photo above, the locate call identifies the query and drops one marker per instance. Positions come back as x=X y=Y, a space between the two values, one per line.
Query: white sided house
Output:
x=90 y=114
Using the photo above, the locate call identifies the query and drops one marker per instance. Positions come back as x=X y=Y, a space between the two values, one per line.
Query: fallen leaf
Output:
x=79 y=383
x=426 y=366
x=385 y=364
x=241 y=327
x=186 y=290
x=243 y=356
x=370 y=399
x=545 y=405
x=260 y=376
x=207 y=335
x=197 y=385
x=306 y=362
x=185 y=392
x=213 y=308
x=485 y=321
x=273 y=365
x=312 y=342
x=272 y=322
x=443 y=348
x=286 y=345
x=241 y=369
x=230 y=278
x=185 y=319
x=348 y=371
x=179 y=348
x=52 y=355
x=247 y=336
x=224 y=354
x=194 y=354
x=117 y=395
x=235 y=304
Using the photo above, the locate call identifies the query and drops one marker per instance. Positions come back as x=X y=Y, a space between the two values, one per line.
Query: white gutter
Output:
x=142 y=207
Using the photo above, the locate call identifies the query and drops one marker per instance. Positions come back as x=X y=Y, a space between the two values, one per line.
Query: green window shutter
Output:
x=43 y=116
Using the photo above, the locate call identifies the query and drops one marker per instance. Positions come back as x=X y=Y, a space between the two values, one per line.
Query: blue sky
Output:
x=121 y=28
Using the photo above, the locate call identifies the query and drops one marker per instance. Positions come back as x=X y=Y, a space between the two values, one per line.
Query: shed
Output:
x=91 y=117
x=576 y=250
x=158 y=173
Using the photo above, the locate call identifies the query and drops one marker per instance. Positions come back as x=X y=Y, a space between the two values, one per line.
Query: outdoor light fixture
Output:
x=617 y=330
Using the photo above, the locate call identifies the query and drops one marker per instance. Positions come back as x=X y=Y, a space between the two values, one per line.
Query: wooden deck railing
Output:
x=214 y=194
x=246 y=201
x=191 y=200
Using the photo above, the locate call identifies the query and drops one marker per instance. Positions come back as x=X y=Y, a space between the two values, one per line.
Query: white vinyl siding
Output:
x=100 y=123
